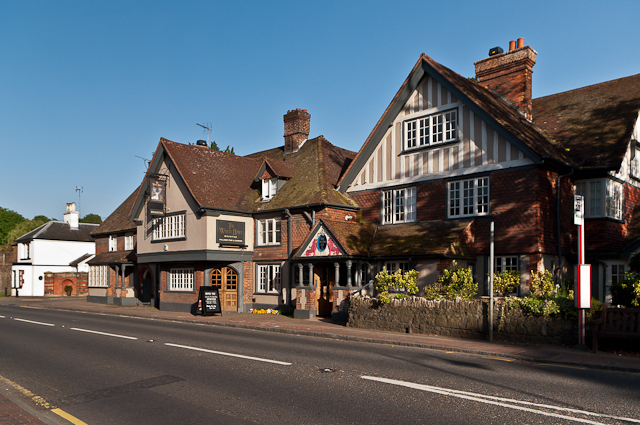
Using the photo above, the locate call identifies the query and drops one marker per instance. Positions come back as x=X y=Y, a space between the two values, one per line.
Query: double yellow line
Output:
x=42 y=402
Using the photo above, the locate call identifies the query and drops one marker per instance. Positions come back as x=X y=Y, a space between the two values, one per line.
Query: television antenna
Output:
x=146 y=161
x=79 y=190
x=206 y=126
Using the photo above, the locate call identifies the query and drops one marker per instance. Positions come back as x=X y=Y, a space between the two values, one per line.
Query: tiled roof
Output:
x=80 y=259
x=215 y=179
x=116 y=257
x=60 y=231
x=428 y=238
x=118 y=220
x=317 y=166
x=593 y=122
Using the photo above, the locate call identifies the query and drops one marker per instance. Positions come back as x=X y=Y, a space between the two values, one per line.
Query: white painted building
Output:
x=54 y=247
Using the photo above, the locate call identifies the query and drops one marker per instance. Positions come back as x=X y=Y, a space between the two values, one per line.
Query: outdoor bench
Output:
x=616 y=323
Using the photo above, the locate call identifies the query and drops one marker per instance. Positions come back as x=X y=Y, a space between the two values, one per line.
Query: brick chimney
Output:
x=509 y=74
x=296 y=129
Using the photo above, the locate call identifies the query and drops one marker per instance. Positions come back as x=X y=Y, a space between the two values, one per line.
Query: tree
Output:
x=8 y=220
x=227 y=150
x=25 y=227
x=91 y=219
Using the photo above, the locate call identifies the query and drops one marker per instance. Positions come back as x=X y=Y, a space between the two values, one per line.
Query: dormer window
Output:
x=269 y=188
x=113 y=243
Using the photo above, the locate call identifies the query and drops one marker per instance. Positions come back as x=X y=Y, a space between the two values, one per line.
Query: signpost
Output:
x=582 y=292
x=209 y=301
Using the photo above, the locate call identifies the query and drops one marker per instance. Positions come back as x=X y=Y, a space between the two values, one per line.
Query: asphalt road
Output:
x=117 y=370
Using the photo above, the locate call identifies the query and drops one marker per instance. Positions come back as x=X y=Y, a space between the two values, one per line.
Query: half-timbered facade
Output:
x=452 y=150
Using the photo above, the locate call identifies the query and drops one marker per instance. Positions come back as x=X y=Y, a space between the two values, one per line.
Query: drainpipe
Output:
x=558 y=193
x=289 y=250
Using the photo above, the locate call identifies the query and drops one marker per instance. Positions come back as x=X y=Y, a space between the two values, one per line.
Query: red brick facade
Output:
x=54 y=283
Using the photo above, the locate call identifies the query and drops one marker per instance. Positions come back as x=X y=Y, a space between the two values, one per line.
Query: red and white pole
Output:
x=582 y=293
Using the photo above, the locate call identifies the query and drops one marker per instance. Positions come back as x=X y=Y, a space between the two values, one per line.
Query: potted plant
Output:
x=68 y=289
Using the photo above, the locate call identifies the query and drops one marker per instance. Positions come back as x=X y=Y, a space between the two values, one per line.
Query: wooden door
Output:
x=226 y=280
x=324 y=291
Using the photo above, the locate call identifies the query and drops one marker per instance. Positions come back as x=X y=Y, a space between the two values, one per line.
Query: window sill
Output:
x=268 y=245
x=407 y=151
x=178 y=292
x=183 y=238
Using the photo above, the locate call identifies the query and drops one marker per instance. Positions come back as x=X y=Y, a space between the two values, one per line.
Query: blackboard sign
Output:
x=209 y=300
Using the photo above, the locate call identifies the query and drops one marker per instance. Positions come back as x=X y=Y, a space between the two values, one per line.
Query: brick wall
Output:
x=102 y=244
x=54 y=283
x=6 y=259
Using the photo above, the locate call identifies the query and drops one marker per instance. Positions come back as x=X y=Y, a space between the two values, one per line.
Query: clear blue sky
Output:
x=87 y=86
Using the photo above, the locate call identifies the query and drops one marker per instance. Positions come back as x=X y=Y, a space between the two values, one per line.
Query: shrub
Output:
x=542 y=285
x=452 y=283
x=398 y=281
x=506 y=282
x=626 y=293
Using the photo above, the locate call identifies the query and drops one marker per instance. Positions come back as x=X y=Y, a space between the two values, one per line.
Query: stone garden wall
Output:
x=466 y=319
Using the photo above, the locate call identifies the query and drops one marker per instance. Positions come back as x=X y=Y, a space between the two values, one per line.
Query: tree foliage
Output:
x=25 y=227
x=91 y=219
x=8 y=220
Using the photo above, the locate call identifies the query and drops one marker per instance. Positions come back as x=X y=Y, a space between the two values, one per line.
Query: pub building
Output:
x=306 y=224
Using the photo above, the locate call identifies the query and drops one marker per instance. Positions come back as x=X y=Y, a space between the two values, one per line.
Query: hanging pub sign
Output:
x=157 y=198
x=230 y=233
x=209 y=300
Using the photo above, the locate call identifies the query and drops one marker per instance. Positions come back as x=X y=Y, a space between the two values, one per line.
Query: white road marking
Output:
x=31 y=321
x=229 y=354
x=2 y=317
x=103 y=333
x=488 y=400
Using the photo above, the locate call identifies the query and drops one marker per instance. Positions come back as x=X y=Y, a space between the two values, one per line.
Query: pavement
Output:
x=325 y=328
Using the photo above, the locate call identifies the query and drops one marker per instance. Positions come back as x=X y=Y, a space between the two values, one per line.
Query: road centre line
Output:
x=489 y=400
x=2 y=317
x=31 y=321
x=103 y=333
x=29 y=306
x=229 y=354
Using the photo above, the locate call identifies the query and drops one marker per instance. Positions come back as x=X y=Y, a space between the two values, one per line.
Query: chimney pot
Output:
x=509 y=75
x=512 y=45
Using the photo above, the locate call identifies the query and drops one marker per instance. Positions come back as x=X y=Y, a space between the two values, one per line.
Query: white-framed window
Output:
x=431 y=130
x=469 y=197
x=169 y=227
x=635 y=164
x=392 y=266
x=128 y=242
x=113 y=243
x=506 y=263
x=181 y=279
x=269 y=188
x=617 y=273
x=269 y=231
x=24 y=250
x=602 y=198
x=399 y=205
x=99 y=276
x=269 y=278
